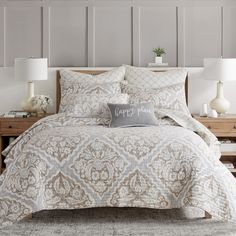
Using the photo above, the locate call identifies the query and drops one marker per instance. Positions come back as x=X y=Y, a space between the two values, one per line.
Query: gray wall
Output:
x=113 y=32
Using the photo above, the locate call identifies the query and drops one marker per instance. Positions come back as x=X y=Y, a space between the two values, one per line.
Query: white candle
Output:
x=203 y=110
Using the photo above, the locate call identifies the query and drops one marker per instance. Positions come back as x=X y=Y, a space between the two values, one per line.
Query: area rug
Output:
x=120 y=222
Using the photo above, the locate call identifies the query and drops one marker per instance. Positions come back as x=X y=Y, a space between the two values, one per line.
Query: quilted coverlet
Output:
x=64 y=162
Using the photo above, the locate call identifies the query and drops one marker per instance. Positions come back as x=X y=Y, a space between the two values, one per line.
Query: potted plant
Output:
x=159 y=52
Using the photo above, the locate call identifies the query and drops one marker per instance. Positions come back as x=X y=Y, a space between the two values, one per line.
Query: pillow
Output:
x=166 y=90
x=89 y=88
x=171 y=97
x=70 y=92
x=75 y=83
x=114 y=75
x=146 y=78
x=95 y=106
x=126 y=115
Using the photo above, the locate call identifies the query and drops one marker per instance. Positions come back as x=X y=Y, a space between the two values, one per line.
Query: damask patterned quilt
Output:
x=63 y=162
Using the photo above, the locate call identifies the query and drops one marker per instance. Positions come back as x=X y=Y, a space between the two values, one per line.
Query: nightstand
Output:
x=223 y=127
x=12 y=128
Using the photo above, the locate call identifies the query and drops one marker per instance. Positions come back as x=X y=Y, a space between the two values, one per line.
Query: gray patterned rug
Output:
x=120 y=222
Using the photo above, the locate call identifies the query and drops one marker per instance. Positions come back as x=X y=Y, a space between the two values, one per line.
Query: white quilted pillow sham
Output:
x=145 y=78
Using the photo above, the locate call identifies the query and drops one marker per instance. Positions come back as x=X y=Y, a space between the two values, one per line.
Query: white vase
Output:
x=158 y=60
x=220 y=104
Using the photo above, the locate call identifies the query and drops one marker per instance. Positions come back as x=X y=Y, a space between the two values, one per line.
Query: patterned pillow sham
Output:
x=165 y=90
x=130 y=115
x=146 y=78
x=170 y=97
x=90 y=88
x=114 y=75
x=75 y=83
x=70 y=92
x=95 y=106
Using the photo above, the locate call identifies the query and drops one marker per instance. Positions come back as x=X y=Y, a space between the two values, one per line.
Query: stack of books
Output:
x=16 y=114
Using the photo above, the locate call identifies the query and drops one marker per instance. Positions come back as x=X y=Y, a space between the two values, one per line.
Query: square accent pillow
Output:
x=128 y=115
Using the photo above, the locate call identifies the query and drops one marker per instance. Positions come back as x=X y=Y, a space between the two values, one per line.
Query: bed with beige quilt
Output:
x=74 y=160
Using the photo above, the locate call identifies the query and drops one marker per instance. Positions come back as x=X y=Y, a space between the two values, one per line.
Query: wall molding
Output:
x=135 y=7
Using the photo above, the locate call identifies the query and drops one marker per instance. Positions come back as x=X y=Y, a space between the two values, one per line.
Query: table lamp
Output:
x=220 y=69
x=31 y=69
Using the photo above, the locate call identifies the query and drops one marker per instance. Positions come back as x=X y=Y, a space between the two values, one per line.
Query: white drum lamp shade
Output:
x=31 y=69
x=220 y=69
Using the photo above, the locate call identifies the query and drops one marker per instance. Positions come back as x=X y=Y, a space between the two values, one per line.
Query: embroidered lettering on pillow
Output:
x=126 y=115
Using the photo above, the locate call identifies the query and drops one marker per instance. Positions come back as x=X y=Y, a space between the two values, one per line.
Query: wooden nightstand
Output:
x=11 y=128
x=223 y=127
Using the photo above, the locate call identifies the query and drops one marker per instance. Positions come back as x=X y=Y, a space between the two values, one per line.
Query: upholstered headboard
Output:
x=96 y=72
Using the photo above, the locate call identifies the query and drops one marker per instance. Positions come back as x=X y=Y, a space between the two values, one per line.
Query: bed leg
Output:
x=207 y=215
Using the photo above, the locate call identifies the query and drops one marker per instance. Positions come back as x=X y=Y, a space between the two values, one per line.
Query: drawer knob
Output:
x=234 y=126
x=209 y=127
x=9 y=126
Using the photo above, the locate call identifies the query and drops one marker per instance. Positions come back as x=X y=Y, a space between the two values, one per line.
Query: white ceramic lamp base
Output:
x=220 y=104
x=30 y=89
x=25 y=105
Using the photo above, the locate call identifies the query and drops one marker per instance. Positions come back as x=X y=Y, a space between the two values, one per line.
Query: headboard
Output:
x=97 y=72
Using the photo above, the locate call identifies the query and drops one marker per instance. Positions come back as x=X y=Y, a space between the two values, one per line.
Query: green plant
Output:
x=159 y=51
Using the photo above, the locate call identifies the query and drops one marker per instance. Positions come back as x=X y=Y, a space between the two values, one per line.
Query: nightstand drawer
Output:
x=14 y=127
x=221 y=128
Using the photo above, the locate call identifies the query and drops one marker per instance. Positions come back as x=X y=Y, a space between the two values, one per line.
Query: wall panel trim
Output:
x=4 y=36
x=134 y=5
x=181 y=36
x=136 y=35
x=46 y=33
x=222 y=31
x=91 y=34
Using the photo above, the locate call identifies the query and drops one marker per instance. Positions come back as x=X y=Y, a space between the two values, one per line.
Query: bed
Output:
x=66 y=162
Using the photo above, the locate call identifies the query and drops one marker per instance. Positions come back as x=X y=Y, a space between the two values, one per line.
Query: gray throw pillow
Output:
x=126 y=115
